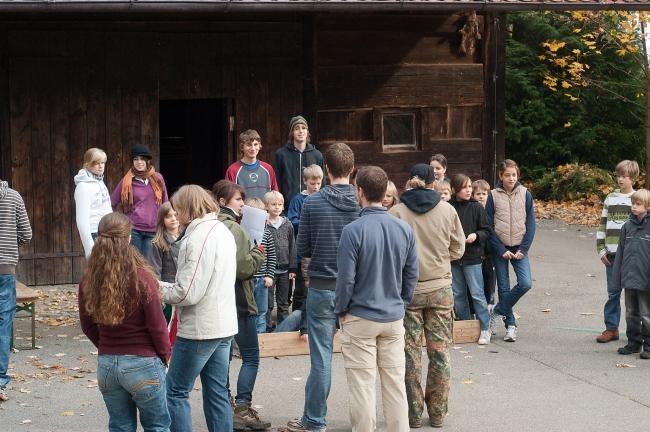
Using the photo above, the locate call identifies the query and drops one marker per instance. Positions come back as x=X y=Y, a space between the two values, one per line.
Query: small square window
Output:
x=399 y=130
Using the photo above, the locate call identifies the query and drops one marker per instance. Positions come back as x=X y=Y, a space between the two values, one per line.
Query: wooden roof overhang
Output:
x=306 y=6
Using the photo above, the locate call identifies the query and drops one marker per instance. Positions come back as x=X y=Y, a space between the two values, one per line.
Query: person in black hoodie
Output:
x=291 y=159
x=467 y=272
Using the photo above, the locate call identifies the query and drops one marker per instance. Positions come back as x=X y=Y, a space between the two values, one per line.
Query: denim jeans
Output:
x=290 y=323
x=612 y=309
x=130 y=384
x=509 y=297
x=142 y=241
x=464 y=277
x=321 y=320
x=249 y=349
x=261 y=294
x=208 y=358
x=7 y=314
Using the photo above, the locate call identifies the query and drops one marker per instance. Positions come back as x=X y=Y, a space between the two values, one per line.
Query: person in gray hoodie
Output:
x=378 y=271
x=323 y=217
x=15 y=231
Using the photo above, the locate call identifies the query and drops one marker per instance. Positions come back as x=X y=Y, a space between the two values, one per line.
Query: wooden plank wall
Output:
x=366 y=64
x=99 y=85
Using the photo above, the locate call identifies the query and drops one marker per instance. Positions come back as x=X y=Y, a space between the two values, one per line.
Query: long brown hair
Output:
x=159 y=239
x=112 y=268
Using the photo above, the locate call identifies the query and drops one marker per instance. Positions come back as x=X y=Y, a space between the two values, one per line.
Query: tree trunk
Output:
x=647 y=95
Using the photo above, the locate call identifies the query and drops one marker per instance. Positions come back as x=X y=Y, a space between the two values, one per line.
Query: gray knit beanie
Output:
x=296 y=120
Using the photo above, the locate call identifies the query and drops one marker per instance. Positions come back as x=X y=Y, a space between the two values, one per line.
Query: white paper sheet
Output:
x=253 y=221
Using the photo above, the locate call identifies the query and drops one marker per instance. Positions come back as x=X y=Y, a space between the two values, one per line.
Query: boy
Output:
x=255 y=176
x=631 y=272
x=285 y=271
x=291 y=159
x=616 y=211
x=15 y=231
x=480 y=191
x=263 y=279
x=444 y=189
x=370 y=304
x=324 y=214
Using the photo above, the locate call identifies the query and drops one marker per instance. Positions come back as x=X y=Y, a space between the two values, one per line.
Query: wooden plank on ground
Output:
x=290 y=344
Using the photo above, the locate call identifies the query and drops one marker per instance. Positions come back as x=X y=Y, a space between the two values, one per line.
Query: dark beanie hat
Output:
x=140 y=150
x=424 y=172
x=297 y=120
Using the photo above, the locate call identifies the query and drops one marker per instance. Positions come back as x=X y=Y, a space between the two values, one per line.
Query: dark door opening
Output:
x=196 y=144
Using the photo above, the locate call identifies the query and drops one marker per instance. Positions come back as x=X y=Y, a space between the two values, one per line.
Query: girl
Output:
x=163 y=254
x=467 y=272
x=139 y=195
x=439 y=165
x=230 y=197
x=511 y=216
x=205 y=299
x=119 y=309
x=439 y=239
x=392 y=196
x=91 y=197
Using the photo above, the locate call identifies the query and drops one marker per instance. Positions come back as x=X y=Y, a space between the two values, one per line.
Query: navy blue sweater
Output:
x=323 y=216
x=378 y=267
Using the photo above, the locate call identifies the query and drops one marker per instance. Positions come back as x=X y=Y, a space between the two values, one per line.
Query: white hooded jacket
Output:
x=92 y=202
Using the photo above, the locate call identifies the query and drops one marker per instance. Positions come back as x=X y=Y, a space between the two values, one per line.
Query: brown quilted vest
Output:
x=510 y=215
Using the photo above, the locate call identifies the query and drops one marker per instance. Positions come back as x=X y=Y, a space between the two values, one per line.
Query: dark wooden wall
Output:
x=368 y=64
x=99 y=85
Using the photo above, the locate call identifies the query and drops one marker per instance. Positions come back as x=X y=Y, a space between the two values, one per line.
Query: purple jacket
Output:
x=144 y=210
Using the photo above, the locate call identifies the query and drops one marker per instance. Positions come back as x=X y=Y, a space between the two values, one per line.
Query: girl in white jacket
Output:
x=91 y=197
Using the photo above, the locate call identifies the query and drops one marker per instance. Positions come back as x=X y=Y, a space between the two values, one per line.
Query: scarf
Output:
x=126 y=197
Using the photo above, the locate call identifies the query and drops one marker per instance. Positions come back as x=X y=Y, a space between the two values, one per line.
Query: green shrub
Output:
x=572 y=182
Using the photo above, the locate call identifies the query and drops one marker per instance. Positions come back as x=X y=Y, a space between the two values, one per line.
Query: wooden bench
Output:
x=290 y=344
x=25 y=302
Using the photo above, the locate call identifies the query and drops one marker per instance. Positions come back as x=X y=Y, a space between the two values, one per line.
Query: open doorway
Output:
x=196 y=143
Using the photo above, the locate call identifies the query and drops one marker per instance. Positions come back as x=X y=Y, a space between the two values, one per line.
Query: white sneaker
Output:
x=495 y=319
x=511 y=334
x=485 y=337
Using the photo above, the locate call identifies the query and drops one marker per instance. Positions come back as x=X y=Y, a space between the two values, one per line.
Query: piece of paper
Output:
x=253 y=221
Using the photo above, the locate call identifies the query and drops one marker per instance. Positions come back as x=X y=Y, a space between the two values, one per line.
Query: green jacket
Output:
x=249 y=262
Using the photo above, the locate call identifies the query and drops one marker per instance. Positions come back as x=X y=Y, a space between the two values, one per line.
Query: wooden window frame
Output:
x=388 y=148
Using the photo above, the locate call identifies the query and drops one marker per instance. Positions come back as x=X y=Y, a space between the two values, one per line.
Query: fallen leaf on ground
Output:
x=586 y=313
x=625 y=365
x=547 y=293
x=59 y=355
x=26 y=421
x=546 y=310
x=590 y=275
x=24 y=390
x=468 y=381
x=67 y=413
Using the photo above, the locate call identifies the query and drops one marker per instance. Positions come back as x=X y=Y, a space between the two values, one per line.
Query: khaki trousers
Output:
x=366 y=346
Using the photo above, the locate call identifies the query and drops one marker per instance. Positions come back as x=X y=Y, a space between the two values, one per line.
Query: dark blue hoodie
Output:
x=323 y=216
x=631 y=268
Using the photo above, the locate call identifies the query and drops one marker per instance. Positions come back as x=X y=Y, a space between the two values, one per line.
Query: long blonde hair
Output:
x=112 y=268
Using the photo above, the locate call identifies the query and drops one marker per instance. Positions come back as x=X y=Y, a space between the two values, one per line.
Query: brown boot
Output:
x=607 y=336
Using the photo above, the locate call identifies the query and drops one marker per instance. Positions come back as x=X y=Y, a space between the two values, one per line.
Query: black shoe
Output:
x=629 y=349
x=645 y=355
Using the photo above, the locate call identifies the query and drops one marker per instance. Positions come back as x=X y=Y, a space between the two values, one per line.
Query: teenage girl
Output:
x=467 y=272
x=511 y=215
x=392 y=196
x=439 y=164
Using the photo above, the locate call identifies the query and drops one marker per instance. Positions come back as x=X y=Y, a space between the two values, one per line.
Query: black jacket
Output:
x=289 y=163
x=631 y=268
x=474 y=220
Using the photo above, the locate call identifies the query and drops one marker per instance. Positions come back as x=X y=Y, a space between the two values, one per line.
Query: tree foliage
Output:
x=573 y=94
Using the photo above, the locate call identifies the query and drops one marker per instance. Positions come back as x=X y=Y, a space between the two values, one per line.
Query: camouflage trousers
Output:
x=430 y=314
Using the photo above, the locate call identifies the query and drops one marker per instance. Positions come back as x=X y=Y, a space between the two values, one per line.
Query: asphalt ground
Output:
x=554 y=378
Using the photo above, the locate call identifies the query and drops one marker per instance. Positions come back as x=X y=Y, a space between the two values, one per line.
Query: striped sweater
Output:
x=14 y=228
x=616 y=211
x=270 y=262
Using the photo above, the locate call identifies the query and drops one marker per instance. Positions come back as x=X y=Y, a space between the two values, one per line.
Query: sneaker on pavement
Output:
x=607 y=336
x=248 y=416
x=485 y=337
x=3 y=394
x=511 y=334
x=629 y=349
x=296 y=425
x=495 y=319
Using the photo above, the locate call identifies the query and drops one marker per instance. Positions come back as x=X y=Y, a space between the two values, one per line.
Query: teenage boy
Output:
x=15 y=231
x=371 y=304
x=255 y=176
x=616 y=211
x=324 y=215
x=291 y=159
x=631 y=273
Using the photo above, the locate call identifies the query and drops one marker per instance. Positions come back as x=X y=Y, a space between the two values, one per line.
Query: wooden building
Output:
x=398 y=81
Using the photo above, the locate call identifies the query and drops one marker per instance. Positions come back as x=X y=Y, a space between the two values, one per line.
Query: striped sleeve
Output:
x=602 y=227
x=270 y=262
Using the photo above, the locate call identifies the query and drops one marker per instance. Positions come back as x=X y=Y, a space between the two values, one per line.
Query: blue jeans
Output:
x=208 y=358
x=509 y=297
x=290 y=323
x=469 y=276
x=142 y=241
x=7 y=314
x=261 y=294
x=249 y=349
x=321 y=321
x=612 y=309
x=132 y=384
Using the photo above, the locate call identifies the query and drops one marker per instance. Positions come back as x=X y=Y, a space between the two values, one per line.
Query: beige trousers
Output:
x=368 y=346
